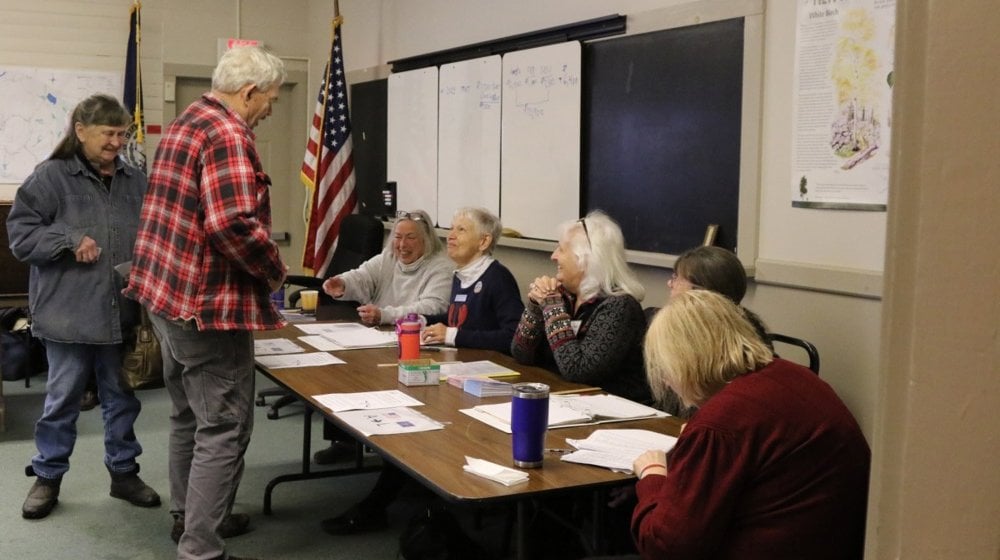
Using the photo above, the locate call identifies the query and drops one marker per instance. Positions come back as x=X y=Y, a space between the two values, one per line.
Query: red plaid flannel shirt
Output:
x=204 y=250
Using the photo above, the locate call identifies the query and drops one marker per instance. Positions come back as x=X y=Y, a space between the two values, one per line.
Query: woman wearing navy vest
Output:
x=485 y=304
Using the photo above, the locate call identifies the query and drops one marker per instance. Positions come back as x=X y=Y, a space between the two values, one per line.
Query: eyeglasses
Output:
x=403 y=215
x=583 y=222
x=675 y=277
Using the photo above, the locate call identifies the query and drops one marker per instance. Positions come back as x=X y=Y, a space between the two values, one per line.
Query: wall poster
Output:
x=842 y=104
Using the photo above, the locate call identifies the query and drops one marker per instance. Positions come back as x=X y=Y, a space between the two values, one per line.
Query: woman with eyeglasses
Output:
x=718 y=270
x=411 y=275
x=772 y=465
x=586 y=322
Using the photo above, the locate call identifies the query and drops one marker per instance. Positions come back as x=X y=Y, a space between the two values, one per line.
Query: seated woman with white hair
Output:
x=772 y=464
x=485 y=302
x=586 y=322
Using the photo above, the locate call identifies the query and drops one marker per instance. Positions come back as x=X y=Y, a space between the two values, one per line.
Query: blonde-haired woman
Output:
x=586 y=322
x=772 y=465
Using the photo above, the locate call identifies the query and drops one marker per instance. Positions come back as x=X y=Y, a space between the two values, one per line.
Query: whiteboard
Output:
x=35 y=112
x=412 y=148
x=469 y=136
x=540 y=139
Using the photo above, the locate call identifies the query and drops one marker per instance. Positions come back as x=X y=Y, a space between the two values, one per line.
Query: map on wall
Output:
x=843 y=104
x=35 y=112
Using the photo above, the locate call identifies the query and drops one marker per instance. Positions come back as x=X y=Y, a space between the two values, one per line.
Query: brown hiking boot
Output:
x=233 y=526
x=129 y=487
x=43 y=496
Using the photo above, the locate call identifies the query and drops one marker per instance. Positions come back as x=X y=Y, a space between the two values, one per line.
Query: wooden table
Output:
x=435 y=458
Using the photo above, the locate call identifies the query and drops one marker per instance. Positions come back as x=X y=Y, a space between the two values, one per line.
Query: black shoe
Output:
x=43 y=496
x=355 y=521
x=337 y=452
x=129 y=487
x=233 y=526
x=89 y=400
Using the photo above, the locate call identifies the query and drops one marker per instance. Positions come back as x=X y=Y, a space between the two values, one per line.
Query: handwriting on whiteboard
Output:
x=533 y=85
x=487 y=92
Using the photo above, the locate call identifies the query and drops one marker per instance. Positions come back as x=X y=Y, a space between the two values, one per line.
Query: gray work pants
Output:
x=210 y=379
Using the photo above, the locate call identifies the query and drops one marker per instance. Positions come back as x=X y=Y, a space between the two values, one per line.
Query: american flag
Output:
x=328 y=166
x=134 y=152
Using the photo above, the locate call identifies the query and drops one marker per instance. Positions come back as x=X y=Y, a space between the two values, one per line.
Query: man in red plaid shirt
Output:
x=204 y=267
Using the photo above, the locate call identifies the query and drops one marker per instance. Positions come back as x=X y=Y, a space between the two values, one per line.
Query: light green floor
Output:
x=88 y=524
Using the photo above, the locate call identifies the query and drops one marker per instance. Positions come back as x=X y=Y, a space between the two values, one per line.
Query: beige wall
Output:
x=929 y=411
x=936 y=474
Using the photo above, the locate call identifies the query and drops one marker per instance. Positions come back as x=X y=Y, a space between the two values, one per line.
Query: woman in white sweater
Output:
x=411 y=275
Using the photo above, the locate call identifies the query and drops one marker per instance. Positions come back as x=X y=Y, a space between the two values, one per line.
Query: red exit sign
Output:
x=233 y=43
x=226 y=44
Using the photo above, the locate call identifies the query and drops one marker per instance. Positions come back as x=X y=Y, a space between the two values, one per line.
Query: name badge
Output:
x=461 y=298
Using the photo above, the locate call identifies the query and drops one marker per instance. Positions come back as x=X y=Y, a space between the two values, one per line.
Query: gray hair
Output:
x=432 y=243
x=599 y=247
x=248 y=65
x=97 y=110
x=486 y=224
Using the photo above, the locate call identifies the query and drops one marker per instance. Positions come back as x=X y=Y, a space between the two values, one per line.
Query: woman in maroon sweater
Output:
x=772 y=465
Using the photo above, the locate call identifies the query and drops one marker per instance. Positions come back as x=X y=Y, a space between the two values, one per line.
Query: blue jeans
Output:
x=210 y=378
x=70 y=367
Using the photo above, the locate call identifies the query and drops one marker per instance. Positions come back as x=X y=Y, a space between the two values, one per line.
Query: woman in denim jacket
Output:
x=73 y=220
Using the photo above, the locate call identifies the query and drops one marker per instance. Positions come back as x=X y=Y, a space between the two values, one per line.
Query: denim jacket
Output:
x=59 y=203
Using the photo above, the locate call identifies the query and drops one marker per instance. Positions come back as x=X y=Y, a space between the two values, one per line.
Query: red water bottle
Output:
x=408 y=333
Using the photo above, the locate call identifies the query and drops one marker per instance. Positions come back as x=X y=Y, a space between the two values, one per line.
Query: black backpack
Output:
x=21 y=355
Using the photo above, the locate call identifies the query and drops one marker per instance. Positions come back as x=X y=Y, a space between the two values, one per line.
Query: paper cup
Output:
x=308 y=299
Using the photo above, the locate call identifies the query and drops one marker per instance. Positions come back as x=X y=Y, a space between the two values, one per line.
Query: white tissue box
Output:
x=419 y=372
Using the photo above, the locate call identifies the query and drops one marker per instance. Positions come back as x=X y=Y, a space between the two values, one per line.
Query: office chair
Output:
x=360 y=239
x=809 y=348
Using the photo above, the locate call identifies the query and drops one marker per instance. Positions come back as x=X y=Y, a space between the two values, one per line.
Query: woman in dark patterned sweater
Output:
x=485 y=302
x=586 y=323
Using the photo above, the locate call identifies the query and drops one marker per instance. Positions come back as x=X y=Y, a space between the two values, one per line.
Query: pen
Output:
x=576 y=391
x=557 y=450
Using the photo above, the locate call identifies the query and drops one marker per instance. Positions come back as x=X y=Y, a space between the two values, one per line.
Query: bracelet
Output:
x=643 y=470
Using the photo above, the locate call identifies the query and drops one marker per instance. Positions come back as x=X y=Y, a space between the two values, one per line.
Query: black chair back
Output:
x=360 y=239
x=805 y=345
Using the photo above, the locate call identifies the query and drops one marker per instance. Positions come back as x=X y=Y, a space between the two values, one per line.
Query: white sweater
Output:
x=423 y=286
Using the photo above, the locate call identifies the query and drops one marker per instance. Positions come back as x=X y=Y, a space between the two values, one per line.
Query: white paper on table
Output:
x=320 y=342
x=269 y=346
x=323 y=328
x=350 y=335
x=385 y=421
x=492 y=471
x=367 y=338
x=479 y=368
x=616 y=449
x=310 y=359
x=367 y=400
x=487 y=418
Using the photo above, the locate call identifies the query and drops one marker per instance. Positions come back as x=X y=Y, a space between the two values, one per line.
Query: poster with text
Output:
x=842 y=104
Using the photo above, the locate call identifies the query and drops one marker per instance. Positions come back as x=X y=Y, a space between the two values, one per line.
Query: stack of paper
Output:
x=354 y=335
x=481 y=368
x=570 y=410
x=616 y=449
x=486 y=387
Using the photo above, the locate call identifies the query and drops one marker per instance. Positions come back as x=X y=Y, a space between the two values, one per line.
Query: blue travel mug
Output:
x=529 y=419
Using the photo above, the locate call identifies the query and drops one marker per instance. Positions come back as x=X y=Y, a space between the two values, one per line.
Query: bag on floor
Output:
x=21 y=354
